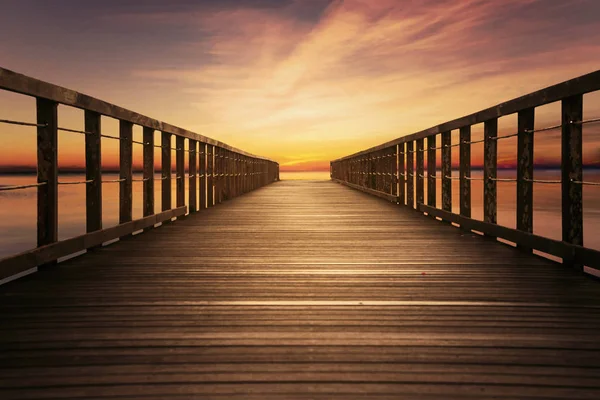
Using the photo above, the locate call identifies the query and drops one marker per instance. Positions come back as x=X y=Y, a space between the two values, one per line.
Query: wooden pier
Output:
x=268 y=289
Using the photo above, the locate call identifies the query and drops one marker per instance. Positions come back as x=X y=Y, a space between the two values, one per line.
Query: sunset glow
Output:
x=302 y=82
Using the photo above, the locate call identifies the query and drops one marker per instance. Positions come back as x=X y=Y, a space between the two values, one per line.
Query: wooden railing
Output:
x=216 y=172
x=388 y=170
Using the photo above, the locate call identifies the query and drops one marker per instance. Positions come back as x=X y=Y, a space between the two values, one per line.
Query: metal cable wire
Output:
x=541 y=181
x=19 y=187
x=76 y=182
x=115 y=180
x=12 y=122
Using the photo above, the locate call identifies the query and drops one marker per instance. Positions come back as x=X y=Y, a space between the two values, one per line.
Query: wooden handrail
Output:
x=577 y=86
x=371 y=170
x=222 y=172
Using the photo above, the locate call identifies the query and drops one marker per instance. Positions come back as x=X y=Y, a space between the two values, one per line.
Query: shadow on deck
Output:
x=302 y=289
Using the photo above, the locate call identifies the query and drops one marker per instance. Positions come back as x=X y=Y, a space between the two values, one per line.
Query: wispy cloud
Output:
x=306 y=81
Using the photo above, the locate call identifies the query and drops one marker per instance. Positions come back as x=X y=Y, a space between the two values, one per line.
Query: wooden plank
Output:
x=431 y=170
x=490 y=165
x=51 y=252
x=93 y=172
x=47 y=171
x=572 y=170
x=577 y=86
x=20 y=83
x=383 y=195
x=148 y=185
x=125 y=171
x=525 y=128
x=303 y=290
x=410 y=179
x=166 y=184
x=446 y=171
x=180 y=170
x=193 y=149
x=420 y=176
x=567 y=251
x=465 y=171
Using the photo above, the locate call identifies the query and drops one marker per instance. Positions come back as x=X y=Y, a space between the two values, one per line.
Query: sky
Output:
x=299 y=81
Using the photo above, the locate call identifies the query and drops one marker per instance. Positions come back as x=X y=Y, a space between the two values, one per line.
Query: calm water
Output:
x=18 y=208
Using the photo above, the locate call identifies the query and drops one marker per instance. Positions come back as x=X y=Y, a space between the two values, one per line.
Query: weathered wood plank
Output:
x=402 y=173
x=210 y=175
x=47 y=171
x=125 y=171
x=203 y=179
x=446 y=171
x=431 y=171
x=572 y=171
x=420 y=175
x=410 y=176
x=93 y=171
x=465 y=171
x=490 y=166
x=166 y=171
x=281 y=294
x=180 y=170
x=148 y=184
x=525 y=128
x=192 y=199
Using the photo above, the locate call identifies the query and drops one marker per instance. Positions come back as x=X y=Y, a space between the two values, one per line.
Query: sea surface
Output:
x=18 y=208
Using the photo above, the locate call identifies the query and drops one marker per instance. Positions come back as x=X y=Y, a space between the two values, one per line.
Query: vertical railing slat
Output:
x=410 y=178
x=401 y=173
x=525 y=126
x=210 y=178
x=465 y=170
x=180 y=170
x=148 y=184
x=93 y=171
x=125 y=171
x=572 y=170
x=490 y=165
x=47 y=172
x=446 y=171
x=203 y=172
x=431 y=170
x=192 y=199
x=166 y=171
x=420 y=172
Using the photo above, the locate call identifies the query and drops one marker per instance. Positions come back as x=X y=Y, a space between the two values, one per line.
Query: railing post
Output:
x=420 y=172
x=203 y=172
x=401 y=174
x=410 y=176
x=465 y=170
x=148 y=183
x=192 y=202
x=209 y=175
x=525 y=123
x=572 y=170
x=490 y=155
x=431 y=171
x=47 y=171
x=125 y=171
x=93 y=171
x=166 y=171
x=446 y=171
x=180 y=170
